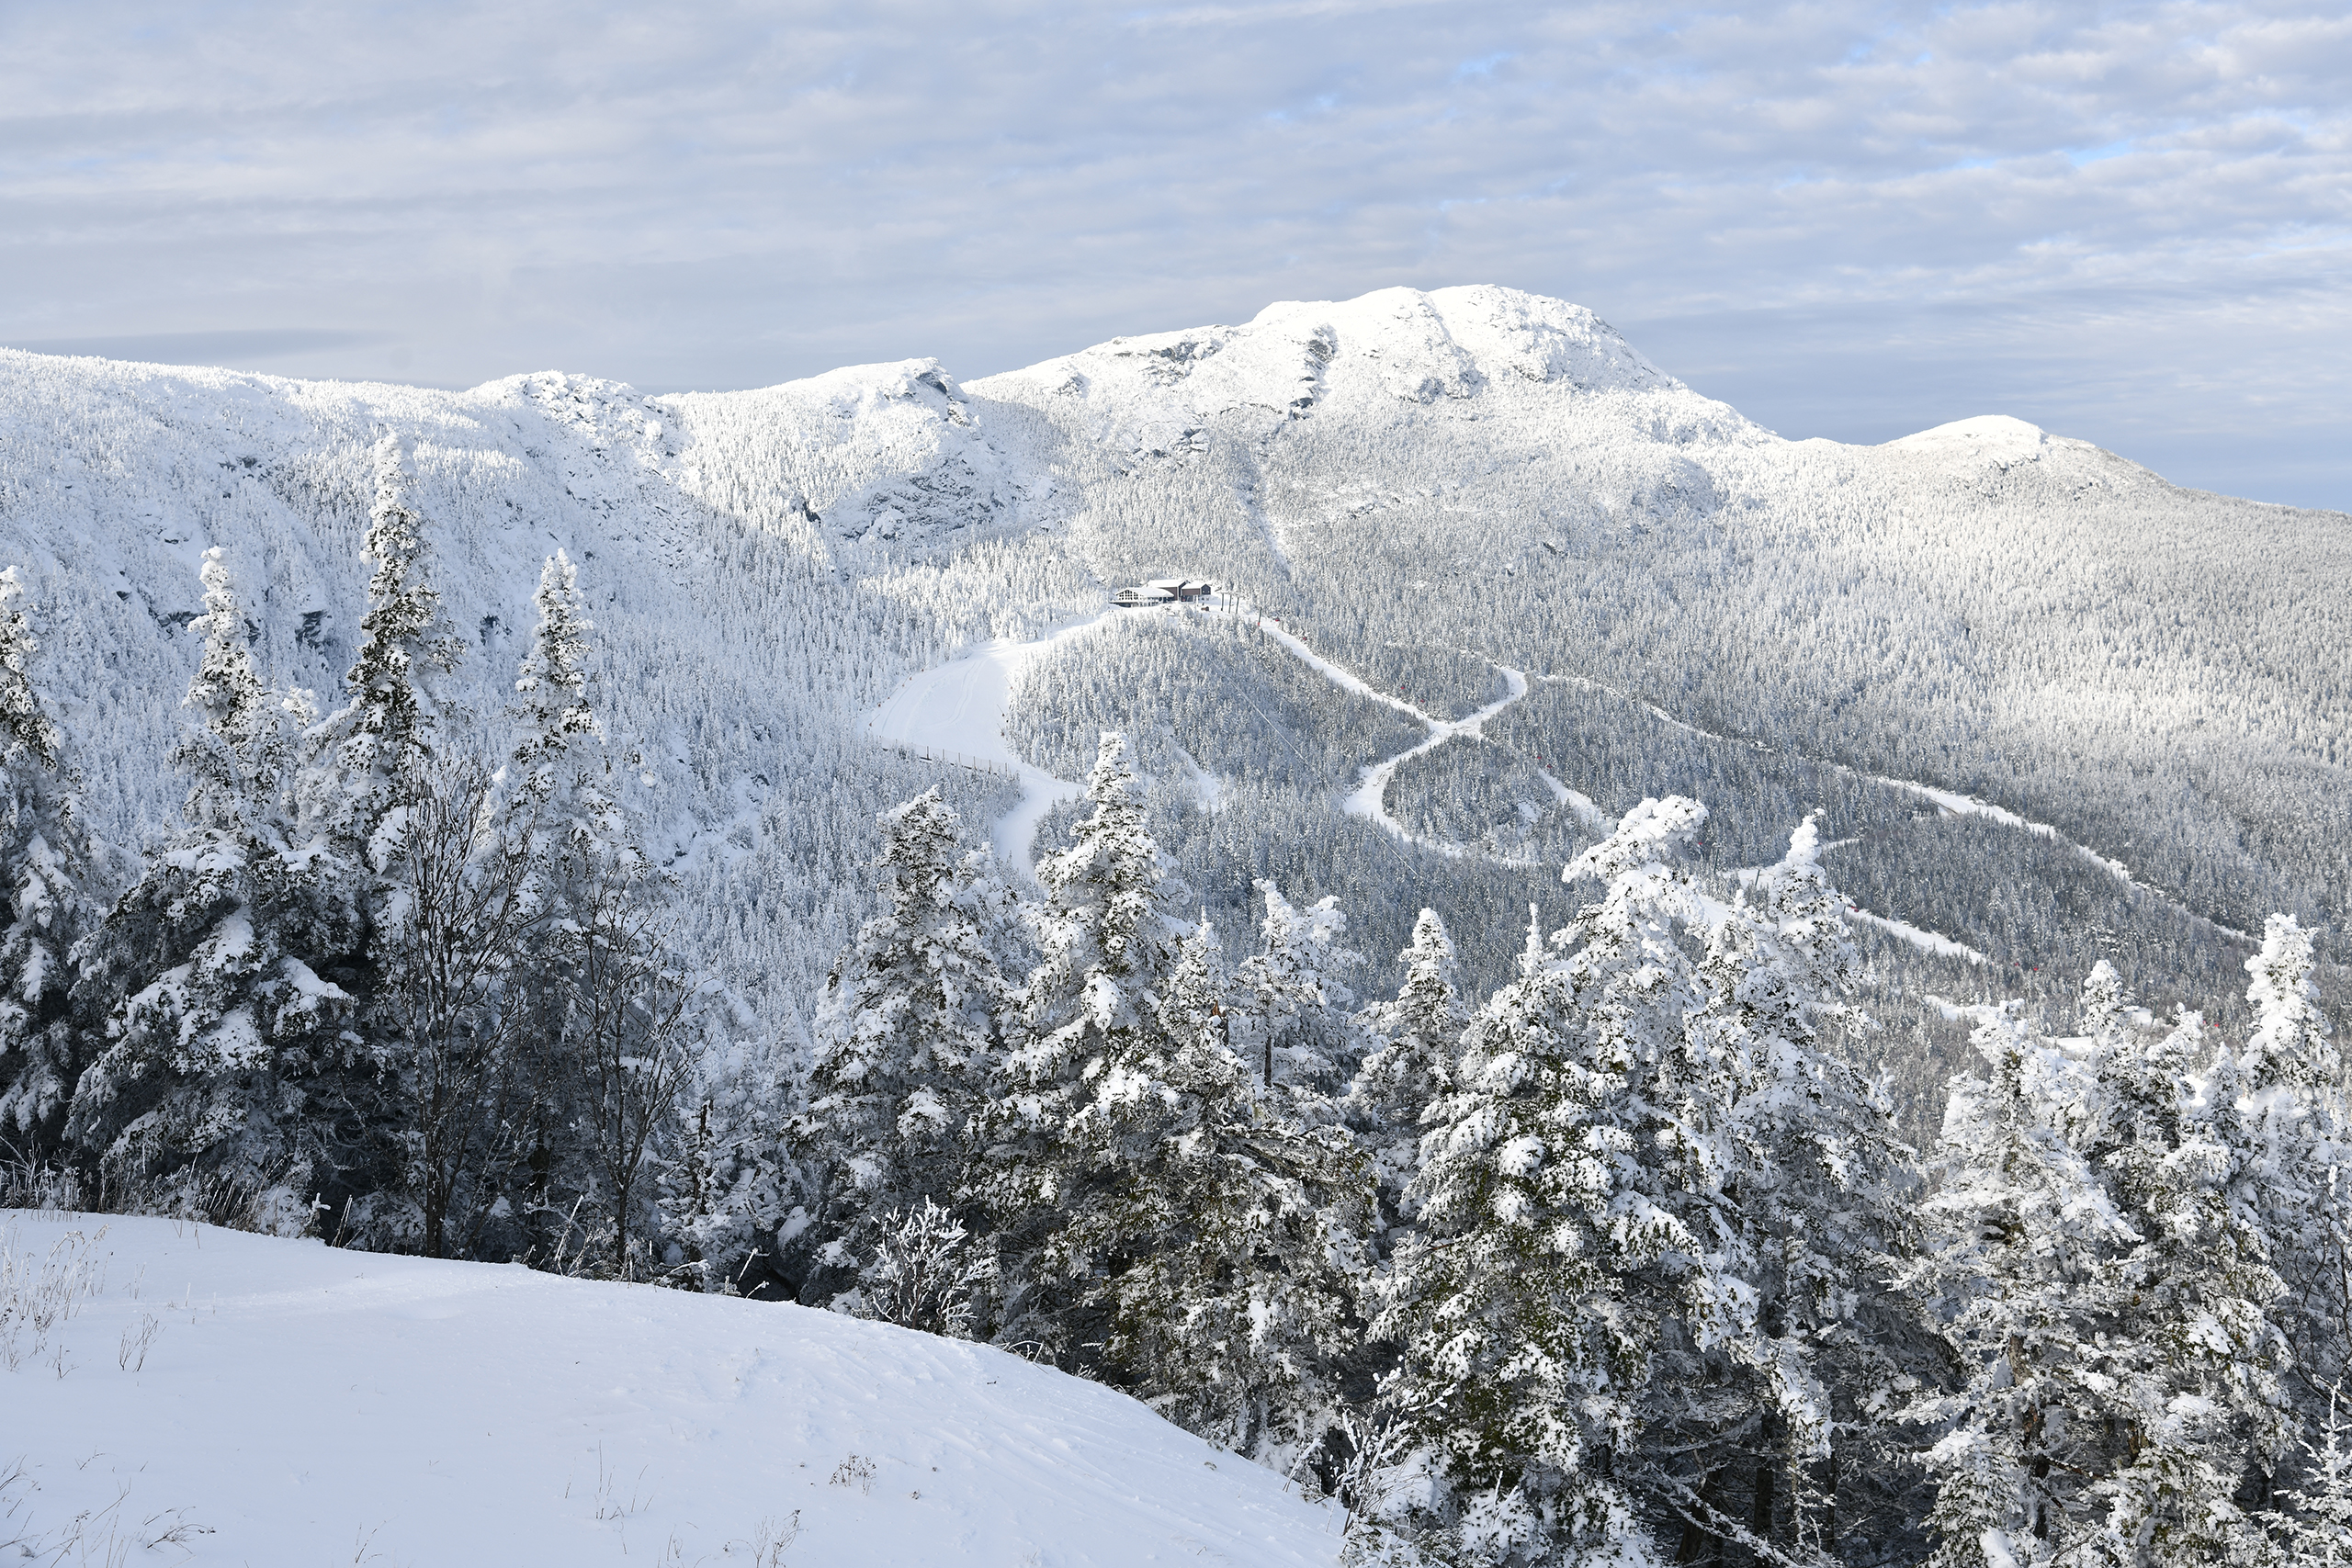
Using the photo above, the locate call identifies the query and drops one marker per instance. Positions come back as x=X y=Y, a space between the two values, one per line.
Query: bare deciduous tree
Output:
x=465 y=905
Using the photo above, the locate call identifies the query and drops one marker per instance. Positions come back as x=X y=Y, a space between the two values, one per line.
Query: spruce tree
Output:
x=2284 y=1095
x=227 y=1053
x=49 y=886
x=454 y=884
x=1105 y=941
x=1151 y=1196
x=906 y=1035
x=2104 y=1288
x=1233 y=1236
x=364 y=760
x=1411 y=1064
x=1573 y=1270
x=1819 y=1191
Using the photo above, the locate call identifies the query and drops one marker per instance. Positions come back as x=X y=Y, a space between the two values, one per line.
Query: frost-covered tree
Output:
x=1411 y=1065
x=49 y=883
x=228 y=1052
x=907 y=1036
x=1105 y=941
x=455 y=893
x=2282 y=1097
x=2016 y=1286
x=1819 y=1192
x=363 y=762
x=1148 y=1197
x=558 y=767
x=1574 y=1278
x=2317 y=1532
x=1220 y=1240
x=2102 y=1281
x=734 y=1194
x=1290 y=993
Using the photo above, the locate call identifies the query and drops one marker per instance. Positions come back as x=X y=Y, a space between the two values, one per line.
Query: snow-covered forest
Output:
x=1627 y=991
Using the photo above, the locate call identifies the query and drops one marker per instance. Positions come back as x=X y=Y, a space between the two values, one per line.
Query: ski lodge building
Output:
x=1162 y=590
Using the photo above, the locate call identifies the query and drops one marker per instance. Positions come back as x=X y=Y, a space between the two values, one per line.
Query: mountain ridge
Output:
x=1968 y=606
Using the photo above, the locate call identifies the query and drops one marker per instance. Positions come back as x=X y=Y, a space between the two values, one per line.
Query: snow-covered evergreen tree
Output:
x=556 y=774
x=1574 y=1275
x=907 y=1034
x=2102 y=1278
x=1221 y=1241
x=1105 y=941
x=1411 y=1065
x=49 y=883
x=734 y=1195
x=1296 y=1006
x=227 y=1051
x=2015 y=1287
x=2207 y=1405
x=2280 y=1100
x=455 y=890
x=2317 y=1532
x=1820 y=1189
x=1148 y=1196
x=359 y=762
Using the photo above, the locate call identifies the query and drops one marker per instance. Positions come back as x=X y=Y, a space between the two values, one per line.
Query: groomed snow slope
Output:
x=299 y=1404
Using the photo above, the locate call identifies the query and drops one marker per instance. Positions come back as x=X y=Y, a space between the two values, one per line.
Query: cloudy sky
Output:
x=2131 y=223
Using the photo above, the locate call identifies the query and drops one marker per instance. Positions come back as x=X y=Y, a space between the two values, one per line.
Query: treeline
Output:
x=387 y=982
x=1624 y=1265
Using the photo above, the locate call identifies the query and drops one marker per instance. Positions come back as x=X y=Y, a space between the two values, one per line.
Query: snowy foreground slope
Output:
x=299 y=1405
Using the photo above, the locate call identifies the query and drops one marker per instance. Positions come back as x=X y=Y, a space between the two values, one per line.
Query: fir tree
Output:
x=556 y=773
x=905 y=1034
x=1221 y=1242
x=226 y=1051
x=48 y=882
x=2286 y=1099
x=1411 y=1065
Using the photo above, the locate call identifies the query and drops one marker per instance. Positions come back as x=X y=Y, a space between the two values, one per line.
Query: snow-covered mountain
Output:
x=1418 y=484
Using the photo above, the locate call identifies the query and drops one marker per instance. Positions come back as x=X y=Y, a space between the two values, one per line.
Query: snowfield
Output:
x=959 y=707
x=301 y=1404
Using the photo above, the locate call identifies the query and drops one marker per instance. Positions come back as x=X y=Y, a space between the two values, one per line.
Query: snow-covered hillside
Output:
x=1982 y=609
x=254 y=1401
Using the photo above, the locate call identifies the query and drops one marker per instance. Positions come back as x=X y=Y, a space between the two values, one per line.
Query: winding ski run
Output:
x=960 y=707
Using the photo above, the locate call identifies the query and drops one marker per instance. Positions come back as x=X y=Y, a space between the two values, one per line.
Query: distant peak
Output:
x=1993 y=435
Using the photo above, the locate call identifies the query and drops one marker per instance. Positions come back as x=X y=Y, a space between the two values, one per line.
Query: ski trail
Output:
x=1925 y=941
x=960 y=707
x=1950 y=802
x=1370 y=797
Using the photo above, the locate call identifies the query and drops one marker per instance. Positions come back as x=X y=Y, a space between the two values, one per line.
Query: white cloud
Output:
x=2132 y=224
